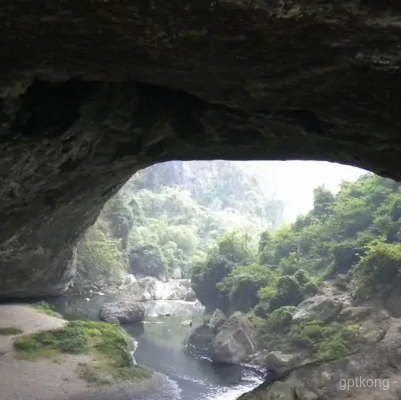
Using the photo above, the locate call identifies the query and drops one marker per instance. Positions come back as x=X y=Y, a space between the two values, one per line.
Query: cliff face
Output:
x=93 y=91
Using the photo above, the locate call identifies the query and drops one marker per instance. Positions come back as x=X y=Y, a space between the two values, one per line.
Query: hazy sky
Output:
x=295 y=181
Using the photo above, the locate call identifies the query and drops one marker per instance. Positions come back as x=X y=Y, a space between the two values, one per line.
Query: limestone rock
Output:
x=393 y=303
x=123 y=311
x=217 y=320
x=178 y=308
x=281 y=391
x=279 y=361
x=317 y=308
x=190 y=296
x=235 y=341
x=200 y=342
x=177 y=274
x=233 y=79
x=341 y=281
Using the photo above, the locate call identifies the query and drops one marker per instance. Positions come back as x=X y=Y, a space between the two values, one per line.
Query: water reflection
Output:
x=162 y=348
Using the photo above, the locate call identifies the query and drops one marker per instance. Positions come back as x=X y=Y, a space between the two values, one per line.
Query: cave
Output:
x=93 y=91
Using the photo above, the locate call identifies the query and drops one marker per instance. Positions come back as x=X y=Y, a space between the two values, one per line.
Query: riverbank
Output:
x=55 y=378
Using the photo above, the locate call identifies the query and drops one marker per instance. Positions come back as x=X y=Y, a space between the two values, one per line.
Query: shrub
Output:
x=280 y=319
x=379 y=267
x=307 y=334
x=243 y=284
x=288 y=293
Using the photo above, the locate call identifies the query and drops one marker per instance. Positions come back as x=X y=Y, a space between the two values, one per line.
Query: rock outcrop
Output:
x=235 y=341
x=150 y=288
x=320 y=308
x=375 y=353
x=122 y=311
x=92 y=92
x=217 y=320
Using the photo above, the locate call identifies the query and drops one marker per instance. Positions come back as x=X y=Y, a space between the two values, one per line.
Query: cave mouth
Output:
x=68 y=147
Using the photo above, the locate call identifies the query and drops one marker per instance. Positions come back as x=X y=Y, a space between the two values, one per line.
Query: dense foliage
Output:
x=169 y=216
x=207 y=218
x=356 y=231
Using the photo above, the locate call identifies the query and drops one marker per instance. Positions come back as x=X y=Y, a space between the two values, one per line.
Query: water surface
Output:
x=161 y=347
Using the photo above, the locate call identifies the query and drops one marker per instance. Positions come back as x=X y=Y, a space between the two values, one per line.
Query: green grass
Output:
x=108 y=345
x=47 y=309
x=10 y=330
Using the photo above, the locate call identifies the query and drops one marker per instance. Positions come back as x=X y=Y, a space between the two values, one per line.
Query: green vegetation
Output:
x=47 y=309
x=108 y=345
x=356 y=230
x=10 y=330
x=214 y=222
x=170 y=216
x=327 y=341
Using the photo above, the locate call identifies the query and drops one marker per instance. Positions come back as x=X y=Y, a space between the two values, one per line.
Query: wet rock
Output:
x=123 y=311
x=317 y=308
x=200 y=342
x=235 y=341
x=187 y=322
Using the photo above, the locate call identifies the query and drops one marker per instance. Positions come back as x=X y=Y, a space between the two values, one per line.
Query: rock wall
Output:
x=233 y=79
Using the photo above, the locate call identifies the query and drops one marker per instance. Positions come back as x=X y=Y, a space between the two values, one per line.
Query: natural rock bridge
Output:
x=91 y=91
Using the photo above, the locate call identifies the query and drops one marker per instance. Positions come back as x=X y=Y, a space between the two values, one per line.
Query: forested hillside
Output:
x=170 y=215
x=356 y=231
x=352 y=236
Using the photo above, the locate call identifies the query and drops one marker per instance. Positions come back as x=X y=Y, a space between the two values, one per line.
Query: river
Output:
x=161 y=347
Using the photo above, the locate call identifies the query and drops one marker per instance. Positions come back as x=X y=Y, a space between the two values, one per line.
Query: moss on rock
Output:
x=108 y=346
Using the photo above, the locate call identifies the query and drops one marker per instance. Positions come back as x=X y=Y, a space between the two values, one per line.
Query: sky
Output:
x=294 y=181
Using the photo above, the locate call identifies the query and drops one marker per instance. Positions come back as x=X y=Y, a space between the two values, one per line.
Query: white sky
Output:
x=295 y=181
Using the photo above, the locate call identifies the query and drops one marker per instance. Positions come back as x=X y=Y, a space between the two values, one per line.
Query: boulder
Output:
x=177 y=308
x=172 y=290
x=235 y=341
x=190 y=296
x=320 y=308
x=123 y=311
x=144 y=289
x=217 y=320
x=200 y=342
x=150 y=288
